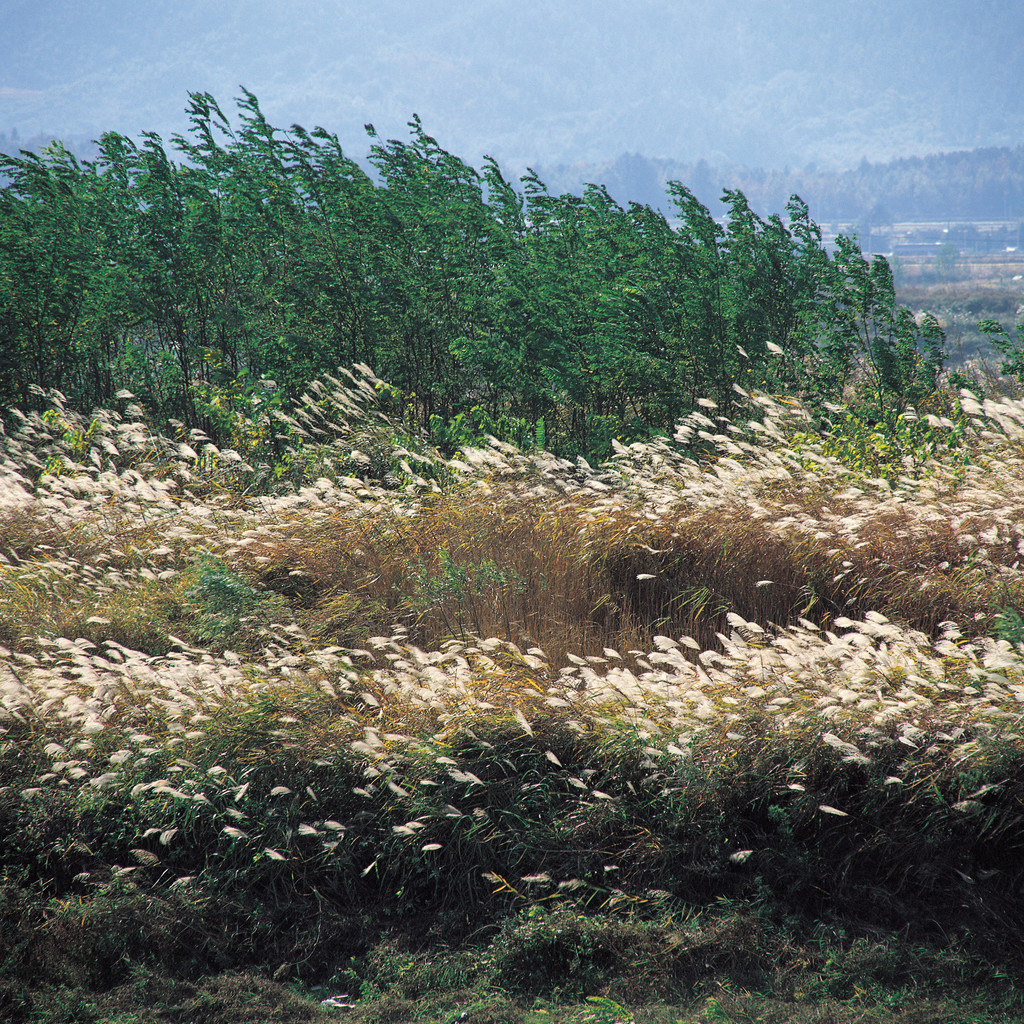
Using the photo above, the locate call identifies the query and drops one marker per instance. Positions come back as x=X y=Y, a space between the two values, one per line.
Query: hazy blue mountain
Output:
x=982 y=184
x=751 y=82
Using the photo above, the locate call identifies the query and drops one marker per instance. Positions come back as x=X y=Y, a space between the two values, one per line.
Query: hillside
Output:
x=984 y=184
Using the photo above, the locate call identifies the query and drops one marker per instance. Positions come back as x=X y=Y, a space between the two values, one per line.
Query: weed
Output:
x=1010 y=626
x=467 y=587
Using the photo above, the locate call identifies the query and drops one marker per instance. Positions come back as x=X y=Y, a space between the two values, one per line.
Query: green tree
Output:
x=893 y=359
x=46 y=251
x=219 y=285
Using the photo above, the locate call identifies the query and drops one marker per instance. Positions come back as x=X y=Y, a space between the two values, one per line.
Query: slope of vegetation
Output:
x=727 y=728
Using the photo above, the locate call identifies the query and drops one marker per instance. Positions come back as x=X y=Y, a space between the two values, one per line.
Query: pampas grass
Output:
x=753 y=551
x=509 y=678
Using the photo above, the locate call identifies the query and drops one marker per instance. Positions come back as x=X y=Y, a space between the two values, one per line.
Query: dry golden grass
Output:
x=654 y=543
x=718 y=666
x=735 y=560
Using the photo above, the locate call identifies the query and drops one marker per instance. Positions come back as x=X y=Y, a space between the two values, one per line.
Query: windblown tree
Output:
x=265 y=258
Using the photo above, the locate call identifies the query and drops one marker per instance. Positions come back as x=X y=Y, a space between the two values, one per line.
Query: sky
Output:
x=756 y=83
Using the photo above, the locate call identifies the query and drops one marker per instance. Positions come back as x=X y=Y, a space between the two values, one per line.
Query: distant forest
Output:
x=977 y=184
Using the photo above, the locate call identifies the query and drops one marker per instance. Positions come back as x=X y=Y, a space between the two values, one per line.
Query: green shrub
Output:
x=222 y=606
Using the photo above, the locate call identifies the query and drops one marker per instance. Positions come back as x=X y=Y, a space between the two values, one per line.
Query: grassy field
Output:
x=981 y=288
x=727 y=729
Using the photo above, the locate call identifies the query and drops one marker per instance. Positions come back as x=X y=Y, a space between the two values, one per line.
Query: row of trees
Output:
x=260 y=253
x=976 y=184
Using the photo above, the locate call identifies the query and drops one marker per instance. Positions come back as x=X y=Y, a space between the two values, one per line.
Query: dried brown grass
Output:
x=544 y=671
x=539 y=552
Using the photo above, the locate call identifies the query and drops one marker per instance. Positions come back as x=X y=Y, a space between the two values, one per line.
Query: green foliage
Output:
x=566 y=954
x=1010 y=347
x=1010 y=626
x=225 y=609
x=473 y=428
x=457 y=588
x=891 y=359
x=603 y=1010
x=905 y=445
x=493 y=307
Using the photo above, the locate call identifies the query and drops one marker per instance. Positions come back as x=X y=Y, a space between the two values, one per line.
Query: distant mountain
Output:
x=970 y=185
x=754 y=83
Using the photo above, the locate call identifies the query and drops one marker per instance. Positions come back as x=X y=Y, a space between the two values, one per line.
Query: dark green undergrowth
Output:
x=552 y=866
